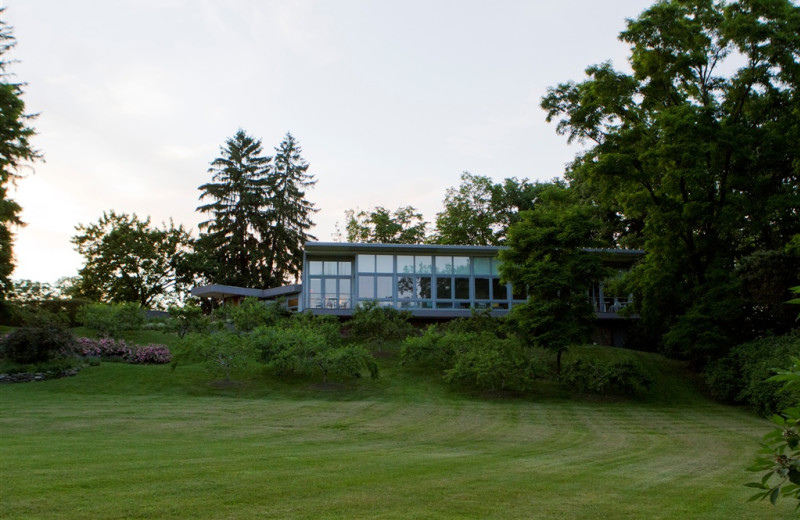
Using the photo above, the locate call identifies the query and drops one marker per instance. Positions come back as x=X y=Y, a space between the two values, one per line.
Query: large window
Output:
x=330 y=284
x=409 y=282
x=376 y=278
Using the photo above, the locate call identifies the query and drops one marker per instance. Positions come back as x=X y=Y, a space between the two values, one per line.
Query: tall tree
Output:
x=239 y=213
x=546 y=255
x=405 y=225
x=129 y=260
x=694 y=156
x=479 y=211
x=291 y=211
x=15 y=152
x=470 y=216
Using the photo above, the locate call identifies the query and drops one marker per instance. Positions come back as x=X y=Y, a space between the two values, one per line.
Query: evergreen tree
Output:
x=15 y=151
x=291 y=211
x=239 y=213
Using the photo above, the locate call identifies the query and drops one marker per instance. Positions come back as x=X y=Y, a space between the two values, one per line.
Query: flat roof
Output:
x=362 y=248
x=227 y=291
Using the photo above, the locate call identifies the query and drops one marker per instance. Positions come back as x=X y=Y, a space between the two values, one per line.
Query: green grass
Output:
x=124 y=441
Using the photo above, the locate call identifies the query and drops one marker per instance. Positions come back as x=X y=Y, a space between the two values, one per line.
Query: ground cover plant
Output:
x=139 y=441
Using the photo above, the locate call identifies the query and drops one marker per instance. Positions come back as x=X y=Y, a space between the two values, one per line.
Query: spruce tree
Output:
x=291 y=211
x=239 y=215
x=15 y=151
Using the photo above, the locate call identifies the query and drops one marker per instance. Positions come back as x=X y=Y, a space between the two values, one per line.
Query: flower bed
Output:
x=110 y=349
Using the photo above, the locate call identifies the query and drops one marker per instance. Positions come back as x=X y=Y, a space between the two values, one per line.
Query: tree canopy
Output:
x=129 y=260
x=239 y=214
x=405 y=225
x=694 y=155
x=479 y=211
x=15 y=152
x=546 y=256
x=258 y=214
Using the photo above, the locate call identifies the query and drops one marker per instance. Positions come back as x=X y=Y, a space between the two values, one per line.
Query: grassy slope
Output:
x=122 y=441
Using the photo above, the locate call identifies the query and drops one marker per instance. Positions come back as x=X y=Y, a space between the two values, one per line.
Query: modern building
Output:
x=429 y=281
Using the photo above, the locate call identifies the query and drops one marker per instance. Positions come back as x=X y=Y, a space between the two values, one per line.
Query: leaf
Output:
x=773 y=497
x=756 y=485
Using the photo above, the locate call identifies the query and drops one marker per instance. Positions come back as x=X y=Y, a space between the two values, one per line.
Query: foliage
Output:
x=238 y=214
x=257 y=214
x=434 y=348
x=252 y=313
x=741 y=376
x=546 y=256
x=378 y=323
x=291 y=211
x=109 y=320
x=764 y=277
x=487 y=362
x=223 y=352
x=129 y=260
x=39 y=344
x=380 y=226
x=15 y=153
x=109 y=349
x=473 y=359
x=600 y=377
x=307 y=344
x=480 y=211
x=479 y=321
x=693 y=155
x=187 y=318
x=779 y=456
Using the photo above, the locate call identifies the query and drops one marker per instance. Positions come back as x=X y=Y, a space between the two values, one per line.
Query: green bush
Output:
x=109 y=320
x=40 y=344
x=187 y=318
x=378 y=323
x=741 y=376
x=435 y=348
x=487 y=362
x=252 y=313
x=307 y=344
x=601 y=377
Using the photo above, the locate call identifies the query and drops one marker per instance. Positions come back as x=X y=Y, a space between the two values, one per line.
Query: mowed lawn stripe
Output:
x=142 y=442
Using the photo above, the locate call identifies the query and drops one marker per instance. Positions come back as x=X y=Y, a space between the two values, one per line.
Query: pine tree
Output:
x=240 y=214
x=15 y=151
x=291 y=211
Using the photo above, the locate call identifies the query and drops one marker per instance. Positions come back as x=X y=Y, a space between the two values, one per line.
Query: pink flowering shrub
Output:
x=107 y=348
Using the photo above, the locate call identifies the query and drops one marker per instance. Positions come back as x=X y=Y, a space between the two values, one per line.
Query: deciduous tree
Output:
x=403 y=226
x=693 y=155
x=546 y=255
x=129 y=260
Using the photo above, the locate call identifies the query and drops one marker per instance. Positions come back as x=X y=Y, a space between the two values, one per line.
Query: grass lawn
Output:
x=125 y=441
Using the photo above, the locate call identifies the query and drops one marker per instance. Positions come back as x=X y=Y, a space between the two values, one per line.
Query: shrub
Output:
x=110 y=349
x=741 y=376
x=432 y=349
x=223 y=352
x=187 y=318
x=378 y=323
x=600 y=377
x=487 y=362
x=111 y=319
x=252 y=313
x=30 y=345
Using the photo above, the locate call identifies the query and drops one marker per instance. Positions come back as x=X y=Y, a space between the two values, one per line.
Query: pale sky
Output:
x=390 y=101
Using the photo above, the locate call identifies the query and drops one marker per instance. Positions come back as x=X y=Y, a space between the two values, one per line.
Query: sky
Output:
x=390 y=101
